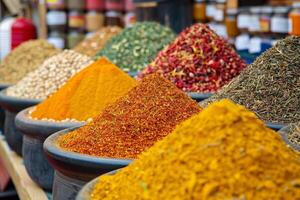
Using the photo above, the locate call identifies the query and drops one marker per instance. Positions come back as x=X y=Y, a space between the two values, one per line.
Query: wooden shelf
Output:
x=26 y=188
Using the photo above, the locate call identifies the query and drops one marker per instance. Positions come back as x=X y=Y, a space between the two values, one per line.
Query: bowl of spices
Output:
x=34 y=133
x=74 y=170
x=124 y=129
x=291 y=135
x=270 y=85
x=11 y=106
x=36 y=86
x=197 y=61
x=223 y=152
x=135 y=47
x=72 y=105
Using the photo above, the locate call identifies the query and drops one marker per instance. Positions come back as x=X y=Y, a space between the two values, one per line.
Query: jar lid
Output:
x=113 y=14
x=267 y=9
x=255 y=10
x=232 y=11
x=281 y=9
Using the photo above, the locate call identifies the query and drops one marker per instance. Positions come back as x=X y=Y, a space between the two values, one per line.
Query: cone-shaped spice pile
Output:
x=224 y=152
x=86 y=94
x=271 y=85
x=147 y=113
x=197 y=61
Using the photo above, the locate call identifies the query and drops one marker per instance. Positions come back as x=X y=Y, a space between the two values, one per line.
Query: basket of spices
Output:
x=34 y=87
x=123 y=130
x=135 y=47
x=199 y=62
x=80 y=99
x=291 y=135
x=207 y=157
x=270 y=86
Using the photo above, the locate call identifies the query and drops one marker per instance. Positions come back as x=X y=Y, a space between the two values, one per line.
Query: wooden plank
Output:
x=26 y=188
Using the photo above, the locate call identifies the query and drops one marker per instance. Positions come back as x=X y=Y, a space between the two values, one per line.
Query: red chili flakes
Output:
x=146 y=114
x=197 y=61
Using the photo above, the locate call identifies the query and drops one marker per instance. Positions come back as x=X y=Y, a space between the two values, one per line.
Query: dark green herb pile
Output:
x=271 y=85
x=294 y=134
x=135 y=47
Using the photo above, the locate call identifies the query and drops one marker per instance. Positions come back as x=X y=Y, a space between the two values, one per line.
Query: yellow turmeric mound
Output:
x=86 y=94
x=225 y=152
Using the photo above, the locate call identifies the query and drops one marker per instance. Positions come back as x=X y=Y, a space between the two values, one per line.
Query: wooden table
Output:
x=26 y=188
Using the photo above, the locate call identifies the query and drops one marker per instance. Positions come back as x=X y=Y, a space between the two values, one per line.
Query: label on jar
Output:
x=219 y=15
x=280 y=25
x=254 y=23
x=242 y=42
x=255 y=45
x=243 y=21
x=210 y=10
x=129 y=19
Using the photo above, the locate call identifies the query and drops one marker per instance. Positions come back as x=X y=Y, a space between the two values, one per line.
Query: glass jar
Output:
x=56 y=4
x=231 y=23
x=129 y=19
x=243 y=19
x=294 y=19
x=74 y=37
x=76 y=4
x=94 y=20
x=254 y=26
x=58 y=39
x=95 y=4
x=113 y=18
x=265 y=19
x=76 y=20
x=210 y=10
x=56 y=20
x=199 y=11
x=116 y=5
x=280 y=21
x=219 y=11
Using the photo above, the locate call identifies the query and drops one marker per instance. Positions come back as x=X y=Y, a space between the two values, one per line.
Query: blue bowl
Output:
x=275 y=126
x=73 y=170
x=199 y=96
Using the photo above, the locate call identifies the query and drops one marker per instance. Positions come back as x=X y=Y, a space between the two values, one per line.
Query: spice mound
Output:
x=95 y=43
x=197 y=61
x=49 y=76
x=270 y=86
x=294 y=133
x=124 y=129
x=225 y=152
x=135 y=47
x=86 y=94
x=24 y=59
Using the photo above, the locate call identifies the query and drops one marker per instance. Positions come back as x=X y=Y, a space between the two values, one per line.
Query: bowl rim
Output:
x=275 y=126
x=52 y=150
x=5 y=97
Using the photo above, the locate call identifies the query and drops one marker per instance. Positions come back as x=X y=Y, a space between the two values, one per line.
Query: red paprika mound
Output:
x=197 y=61
x=132 y=124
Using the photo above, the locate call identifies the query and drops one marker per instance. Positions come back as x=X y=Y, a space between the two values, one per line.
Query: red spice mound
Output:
x=197 y=61
x=147 y=113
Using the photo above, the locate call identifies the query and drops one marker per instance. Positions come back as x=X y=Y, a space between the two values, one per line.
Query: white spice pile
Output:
x=49 y=76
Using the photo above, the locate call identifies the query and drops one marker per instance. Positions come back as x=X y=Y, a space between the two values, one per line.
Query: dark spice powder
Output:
x=197 y=61
x=146 y=114
x=271 y=85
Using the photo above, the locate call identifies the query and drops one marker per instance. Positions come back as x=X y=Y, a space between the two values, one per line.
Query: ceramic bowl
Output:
x=73 y=170
x=34 y=134
x=199 y=96
x=11 y=106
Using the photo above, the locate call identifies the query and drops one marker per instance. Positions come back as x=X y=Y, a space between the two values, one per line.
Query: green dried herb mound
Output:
x=135 y=47
x=270 y=86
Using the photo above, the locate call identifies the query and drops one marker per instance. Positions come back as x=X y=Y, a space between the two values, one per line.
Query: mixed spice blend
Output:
x=24 y=59
x=135 y=47
x=271 y=85
x=225 y=152
x=124 y=129
x=197 y=61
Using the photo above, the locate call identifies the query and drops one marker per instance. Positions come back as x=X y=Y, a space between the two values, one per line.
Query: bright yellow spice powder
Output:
x=86 y=94
x=223 y=153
